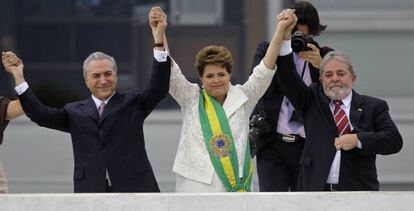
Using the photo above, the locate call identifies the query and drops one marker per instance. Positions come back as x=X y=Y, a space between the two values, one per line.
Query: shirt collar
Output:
x=346 y=101
x=98 y=101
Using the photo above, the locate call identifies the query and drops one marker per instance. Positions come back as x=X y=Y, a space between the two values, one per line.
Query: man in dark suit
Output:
x=344 y=130
x=107 y=128
x=279 y=149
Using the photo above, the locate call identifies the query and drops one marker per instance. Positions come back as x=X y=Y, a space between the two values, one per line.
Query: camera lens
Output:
x=299 y=42
x=297 y=46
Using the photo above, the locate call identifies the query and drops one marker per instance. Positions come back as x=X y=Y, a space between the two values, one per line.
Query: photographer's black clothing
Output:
x=277 y=167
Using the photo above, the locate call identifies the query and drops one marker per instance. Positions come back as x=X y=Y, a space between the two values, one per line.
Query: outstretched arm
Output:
x=285 y=20
x=14 y=109
x=158 y=23
x=158 y=85
x=14 y=66
x=44 y=116
x=263 y=73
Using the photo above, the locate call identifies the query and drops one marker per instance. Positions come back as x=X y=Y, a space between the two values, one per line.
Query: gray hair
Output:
x=338 y=56
x=97 y=56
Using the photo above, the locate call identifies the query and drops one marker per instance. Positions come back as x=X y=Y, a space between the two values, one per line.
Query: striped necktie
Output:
x=341 y=119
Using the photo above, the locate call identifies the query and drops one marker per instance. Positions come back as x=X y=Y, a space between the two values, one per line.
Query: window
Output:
x=196 y=12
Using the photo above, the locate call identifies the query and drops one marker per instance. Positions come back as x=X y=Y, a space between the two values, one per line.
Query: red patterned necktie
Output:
x=341 y=119
x=101 y=109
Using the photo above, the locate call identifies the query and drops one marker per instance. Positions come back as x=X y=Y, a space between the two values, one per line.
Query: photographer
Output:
x=276 y=130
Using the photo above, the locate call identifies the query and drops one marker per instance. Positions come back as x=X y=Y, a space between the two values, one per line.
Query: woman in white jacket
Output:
x=213 y=153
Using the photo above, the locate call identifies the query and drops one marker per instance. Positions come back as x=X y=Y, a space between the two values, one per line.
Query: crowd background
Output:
x=54 y=37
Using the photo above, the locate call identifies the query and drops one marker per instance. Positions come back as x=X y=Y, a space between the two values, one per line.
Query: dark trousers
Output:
x=108 y=187
x=278 y=165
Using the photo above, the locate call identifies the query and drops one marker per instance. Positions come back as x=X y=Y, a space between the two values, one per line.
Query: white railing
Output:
x=338 y=201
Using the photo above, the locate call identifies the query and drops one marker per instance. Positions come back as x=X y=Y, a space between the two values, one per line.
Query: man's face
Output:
x=337 y=80
x=101 y=78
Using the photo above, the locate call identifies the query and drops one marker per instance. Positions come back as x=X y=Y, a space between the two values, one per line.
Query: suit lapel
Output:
x=111 y=106
x=89 y=108
x=356 y=110
x=234 y=100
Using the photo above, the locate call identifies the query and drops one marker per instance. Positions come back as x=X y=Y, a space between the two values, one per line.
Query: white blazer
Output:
x=192 y=160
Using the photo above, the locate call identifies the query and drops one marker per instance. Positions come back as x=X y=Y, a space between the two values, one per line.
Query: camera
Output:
x=299 y=42
x=259 y=125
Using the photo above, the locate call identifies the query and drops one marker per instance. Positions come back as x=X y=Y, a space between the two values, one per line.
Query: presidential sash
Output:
x=221 y=148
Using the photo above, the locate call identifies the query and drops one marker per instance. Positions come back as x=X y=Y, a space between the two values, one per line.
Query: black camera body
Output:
x=259 y=126
x=299 y=42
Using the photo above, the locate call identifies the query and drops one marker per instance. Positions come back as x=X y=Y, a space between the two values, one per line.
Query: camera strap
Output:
x=305 y=63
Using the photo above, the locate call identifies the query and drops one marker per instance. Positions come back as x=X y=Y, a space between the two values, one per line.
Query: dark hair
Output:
x=213 y=54
x=308 y=15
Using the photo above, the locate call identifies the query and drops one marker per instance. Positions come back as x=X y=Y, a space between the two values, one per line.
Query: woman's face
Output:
x=216 y=81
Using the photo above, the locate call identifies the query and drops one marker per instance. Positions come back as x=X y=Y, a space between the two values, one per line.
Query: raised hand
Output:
x=158 y=23
x=289 y=28
x=286 y=21
x=13 y=65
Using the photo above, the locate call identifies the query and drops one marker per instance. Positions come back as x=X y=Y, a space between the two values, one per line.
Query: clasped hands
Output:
x=287 y=20
x=10 y=59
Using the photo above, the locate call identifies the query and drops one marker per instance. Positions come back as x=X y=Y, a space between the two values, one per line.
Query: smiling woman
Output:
x=213 y=153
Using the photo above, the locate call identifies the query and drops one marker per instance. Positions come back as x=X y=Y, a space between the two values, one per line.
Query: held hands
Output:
x=312 y=56
x=13 y=65
x=286 y=22
x=158 y=22
x=346 y=142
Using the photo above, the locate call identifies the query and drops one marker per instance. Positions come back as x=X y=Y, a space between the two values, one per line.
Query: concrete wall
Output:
x=311 y=201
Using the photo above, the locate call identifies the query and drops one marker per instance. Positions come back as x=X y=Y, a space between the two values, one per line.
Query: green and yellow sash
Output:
x=220 y=146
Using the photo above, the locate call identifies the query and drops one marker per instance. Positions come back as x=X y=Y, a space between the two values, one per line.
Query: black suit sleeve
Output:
x=44 y=116
x=385 y=139
x=158 y=86
x=298 y=93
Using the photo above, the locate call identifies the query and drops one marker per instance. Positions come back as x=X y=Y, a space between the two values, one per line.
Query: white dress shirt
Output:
x=333 y=177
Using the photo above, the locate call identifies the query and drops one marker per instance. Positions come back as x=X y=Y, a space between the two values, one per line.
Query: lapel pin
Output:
x=359 y=109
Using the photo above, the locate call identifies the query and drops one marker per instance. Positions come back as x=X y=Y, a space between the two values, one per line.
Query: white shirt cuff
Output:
x=359 y=145
x=285 y=48
x=160 y=56
x=21 y=88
